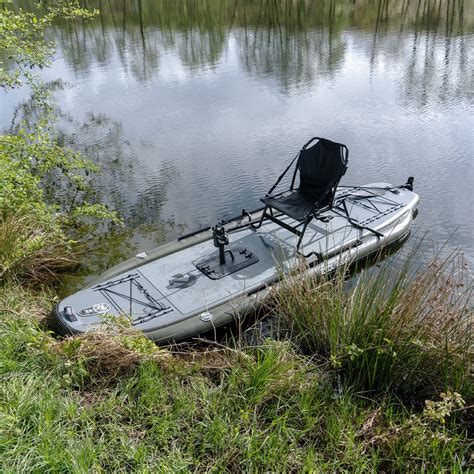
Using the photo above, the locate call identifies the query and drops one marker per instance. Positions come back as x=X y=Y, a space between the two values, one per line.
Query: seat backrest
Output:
x=320 y=167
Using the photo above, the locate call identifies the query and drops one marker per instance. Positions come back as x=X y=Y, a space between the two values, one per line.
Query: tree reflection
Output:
x=101 y=139
x=294 y=41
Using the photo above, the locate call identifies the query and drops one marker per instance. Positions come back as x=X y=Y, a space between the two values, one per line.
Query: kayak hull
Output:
x=165 y=295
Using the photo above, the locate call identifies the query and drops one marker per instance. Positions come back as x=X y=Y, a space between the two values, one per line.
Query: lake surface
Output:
x=193 y=108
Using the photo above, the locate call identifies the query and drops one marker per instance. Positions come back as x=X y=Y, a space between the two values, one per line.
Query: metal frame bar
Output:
x=286 y=226
x=355 y=223
x=292 y=229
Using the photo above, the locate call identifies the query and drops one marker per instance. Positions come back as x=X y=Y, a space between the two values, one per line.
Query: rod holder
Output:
x=221 y=239
x=409 y=184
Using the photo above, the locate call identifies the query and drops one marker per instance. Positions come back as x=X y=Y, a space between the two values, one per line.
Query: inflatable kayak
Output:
x=202 y=280
x=180 y=290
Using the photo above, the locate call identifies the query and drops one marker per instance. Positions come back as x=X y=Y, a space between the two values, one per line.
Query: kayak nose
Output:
x=60 y=320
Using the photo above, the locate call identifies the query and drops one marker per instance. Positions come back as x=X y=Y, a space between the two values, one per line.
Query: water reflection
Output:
x=294 y=41
x=280 y=38
x=214 y=96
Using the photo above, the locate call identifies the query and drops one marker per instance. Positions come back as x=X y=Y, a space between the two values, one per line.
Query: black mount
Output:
x=216 y=267
x=221 y=239
x=409 y=184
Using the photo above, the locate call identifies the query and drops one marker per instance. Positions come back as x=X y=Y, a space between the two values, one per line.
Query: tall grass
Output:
x=30 y=250
x=116 y=402
x=396 y=330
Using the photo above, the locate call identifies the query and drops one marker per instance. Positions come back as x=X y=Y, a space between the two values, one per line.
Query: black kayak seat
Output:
x=296 y=204
x=320 y=165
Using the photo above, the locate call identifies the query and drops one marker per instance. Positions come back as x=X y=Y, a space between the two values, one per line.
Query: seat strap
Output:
x=283 y=174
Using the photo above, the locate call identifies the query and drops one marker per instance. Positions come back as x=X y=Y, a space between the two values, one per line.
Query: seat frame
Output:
x=316 y=210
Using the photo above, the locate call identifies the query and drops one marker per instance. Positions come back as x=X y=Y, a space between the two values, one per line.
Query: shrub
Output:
x=45 y=187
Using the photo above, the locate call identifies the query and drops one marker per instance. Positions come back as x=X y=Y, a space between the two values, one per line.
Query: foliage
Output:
x=34 y=171
x=100 y=402
x=22 y=37
x=440 y=410
x=37 y=169
x=45 y=187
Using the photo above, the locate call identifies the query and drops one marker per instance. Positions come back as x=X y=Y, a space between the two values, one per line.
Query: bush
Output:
x=45 y=189
x=36 y=220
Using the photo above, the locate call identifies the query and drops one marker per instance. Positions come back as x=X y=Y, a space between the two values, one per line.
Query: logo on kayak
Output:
x=100 y=308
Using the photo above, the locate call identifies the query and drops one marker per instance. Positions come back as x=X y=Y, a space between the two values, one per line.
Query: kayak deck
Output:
x=172 y=288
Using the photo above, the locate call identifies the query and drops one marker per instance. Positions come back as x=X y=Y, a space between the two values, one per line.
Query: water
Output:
x=193 y=108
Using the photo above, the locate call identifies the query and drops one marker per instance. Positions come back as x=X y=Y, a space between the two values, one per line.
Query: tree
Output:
x=32 y=155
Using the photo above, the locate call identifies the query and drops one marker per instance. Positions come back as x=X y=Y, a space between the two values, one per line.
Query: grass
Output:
x=397 y=330
x=30 y=250
x=328 y=396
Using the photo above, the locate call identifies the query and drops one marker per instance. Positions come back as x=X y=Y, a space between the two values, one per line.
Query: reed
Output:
x=406 y=330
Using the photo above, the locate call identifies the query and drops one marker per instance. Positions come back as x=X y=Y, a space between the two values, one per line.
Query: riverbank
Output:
x=377 y=377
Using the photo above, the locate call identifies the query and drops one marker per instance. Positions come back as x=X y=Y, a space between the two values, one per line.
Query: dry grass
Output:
x=107 y=356
x=20 y=302
x=29 y=251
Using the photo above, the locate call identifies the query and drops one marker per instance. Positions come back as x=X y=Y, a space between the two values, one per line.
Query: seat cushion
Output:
x=295 y=205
